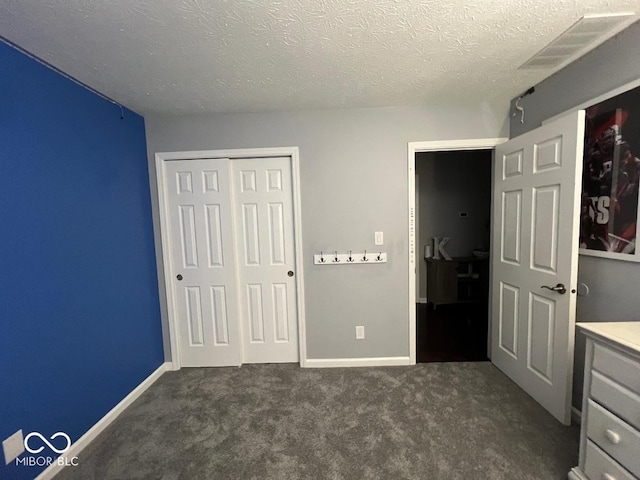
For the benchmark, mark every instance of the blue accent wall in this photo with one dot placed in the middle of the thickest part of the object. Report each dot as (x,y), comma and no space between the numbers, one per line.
(79,311)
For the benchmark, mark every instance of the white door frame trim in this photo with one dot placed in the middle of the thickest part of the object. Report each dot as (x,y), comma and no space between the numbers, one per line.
(291,152)
(413,148)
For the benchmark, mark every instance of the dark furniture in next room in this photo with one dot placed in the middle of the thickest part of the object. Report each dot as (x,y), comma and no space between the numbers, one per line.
(459,280)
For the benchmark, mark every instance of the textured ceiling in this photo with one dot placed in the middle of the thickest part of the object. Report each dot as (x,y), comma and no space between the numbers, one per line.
(195,56)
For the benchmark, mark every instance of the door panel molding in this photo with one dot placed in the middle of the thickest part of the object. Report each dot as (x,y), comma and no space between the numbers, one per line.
(211,183)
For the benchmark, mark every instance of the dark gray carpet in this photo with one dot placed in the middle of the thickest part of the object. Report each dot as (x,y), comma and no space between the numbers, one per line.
(431,421)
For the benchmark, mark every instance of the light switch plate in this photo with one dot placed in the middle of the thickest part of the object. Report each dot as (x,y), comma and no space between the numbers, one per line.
(13,447)
(379,238)
(360,332)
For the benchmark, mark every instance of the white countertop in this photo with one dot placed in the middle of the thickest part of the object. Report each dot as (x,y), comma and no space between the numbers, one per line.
(626,334)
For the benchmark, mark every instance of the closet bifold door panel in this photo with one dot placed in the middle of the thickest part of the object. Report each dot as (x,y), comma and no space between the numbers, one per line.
(262,192)
(203,271)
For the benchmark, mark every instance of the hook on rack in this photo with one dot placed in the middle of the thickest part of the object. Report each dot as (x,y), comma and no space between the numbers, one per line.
(379,257)
(364,258)
(350,259)
(322,260)
(335,258)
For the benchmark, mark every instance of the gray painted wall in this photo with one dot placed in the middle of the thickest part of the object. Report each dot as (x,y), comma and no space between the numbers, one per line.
(451,182)
(613,284)
(354,182)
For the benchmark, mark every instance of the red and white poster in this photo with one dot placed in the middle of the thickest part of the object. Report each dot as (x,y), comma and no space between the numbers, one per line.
(610,177)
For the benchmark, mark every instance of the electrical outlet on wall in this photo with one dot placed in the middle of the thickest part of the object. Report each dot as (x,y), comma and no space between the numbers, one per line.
(360,332)
(13,447)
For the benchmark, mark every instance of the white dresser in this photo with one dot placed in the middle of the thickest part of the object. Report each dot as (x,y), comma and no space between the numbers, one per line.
(610,432)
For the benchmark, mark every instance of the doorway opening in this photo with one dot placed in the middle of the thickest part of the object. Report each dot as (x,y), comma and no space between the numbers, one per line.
(534,230)
(416,250)
(453,200)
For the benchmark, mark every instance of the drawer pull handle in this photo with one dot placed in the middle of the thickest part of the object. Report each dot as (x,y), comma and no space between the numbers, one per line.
(606,476)
(612,436)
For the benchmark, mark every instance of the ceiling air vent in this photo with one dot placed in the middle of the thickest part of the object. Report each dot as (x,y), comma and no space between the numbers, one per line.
(584,35)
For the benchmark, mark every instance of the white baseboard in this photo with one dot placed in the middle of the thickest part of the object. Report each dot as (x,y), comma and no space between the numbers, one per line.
(356,362)
(104,422)
(576,416)
(422,300)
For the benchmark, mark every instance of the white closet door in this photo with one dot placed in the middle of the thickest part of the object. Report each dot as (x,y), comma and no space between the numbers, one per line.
(263,210)
(202,262)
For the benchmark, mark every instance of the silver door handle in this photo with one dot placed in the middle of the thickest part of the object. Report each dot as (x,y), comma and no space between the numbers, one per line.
(560,288)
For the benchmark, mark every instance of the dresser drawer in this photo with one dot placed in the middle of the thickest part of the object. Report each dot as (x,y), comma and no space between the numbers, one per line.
(615,437)
(600,466)
(621,368)
(616,398)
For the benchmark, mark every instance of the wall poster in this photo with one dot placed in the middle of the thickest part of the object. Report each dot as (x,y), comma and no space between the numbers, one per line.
(610,177)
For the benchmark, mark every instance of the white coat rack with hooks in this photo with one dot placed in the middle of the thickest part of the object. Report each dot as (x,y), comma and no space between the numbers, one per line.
(350,258)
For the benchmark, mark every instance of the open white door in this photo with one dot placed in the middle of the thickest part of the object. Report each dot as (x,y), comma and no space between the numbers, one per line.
(535,245)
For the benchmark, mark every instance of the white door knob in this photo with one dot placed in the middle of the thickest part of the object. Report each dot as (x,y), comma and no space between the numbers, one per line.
(612,436)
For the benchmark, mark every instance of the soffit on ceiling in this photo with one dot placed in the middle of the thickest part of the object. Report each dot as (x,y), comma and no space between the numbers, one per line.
(197,56)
